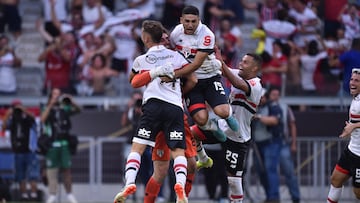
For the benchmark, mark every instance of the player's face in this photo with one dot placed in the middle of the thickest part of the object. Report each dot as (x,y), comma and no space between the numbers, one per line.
(355,83)
(274,95)
(246,66)
(190,23)
(165,40)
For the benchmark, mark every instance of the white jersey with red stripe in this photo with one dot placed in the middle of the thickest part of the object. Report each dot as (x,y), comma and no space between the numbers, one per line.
(154,57)
(354,117)
(244,107)
(188,45)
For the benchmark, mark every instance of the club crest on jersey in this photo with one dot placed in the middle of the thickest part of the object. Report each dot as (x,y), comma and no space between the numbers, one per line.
(186,51)
(160,152)
(207,40)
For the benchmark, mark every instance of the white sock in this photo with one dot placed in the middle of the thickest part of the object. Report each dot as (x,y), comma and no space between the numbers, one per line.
(201,154)
(236,189)
(334,194)
(180,169)
(132,167)
(230,112)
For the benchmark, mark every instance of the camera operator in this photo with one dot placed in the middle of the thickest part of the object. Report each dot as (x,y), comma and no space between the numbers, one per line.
(22,127)
(57,124)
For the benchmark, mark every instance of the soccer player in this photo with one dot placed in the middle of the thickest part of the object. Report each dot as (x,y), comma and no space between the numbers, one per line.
(349,162)
(245,96)
(161,153)
(162,109)
(196,42)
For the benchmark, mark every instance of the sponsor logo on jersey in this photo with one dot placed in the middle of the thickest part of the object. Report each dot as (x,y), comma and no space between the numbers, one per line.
(144,133)
(174,135)
(152,59)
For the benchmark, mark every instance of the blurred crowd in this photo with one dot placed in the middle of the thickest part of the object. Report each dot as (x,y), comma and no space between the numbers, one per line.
(308,46)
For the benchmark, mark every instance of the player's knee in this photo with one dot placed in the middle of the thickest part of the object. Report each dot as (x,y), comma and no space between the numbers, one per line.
(223,110)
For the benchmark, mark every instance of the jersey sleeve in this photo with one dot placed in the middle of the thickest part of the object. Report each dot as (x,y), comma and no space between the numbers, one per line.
(206,40)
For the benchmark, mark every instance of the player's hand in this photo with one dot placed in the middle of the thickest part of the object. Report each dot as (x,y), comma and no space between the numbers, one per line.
(164,70)
(349,127)
(211,66)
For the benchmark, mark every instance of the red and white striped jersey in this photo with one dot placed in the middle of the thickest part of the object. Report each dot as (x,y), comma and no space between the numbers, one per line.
(354,117)
(188,45)
(244,107)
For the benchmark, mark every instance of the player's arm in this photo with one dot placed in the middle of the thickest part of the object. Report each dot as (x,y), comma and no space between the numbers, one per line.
(349,127)
(191,67)
(139,79)
(235,80)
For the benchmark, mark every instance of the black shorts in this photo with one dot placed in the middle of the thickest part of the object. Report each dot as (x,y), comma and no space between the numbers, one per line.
(235,155)
(349,163)
(210,90)
(161,116)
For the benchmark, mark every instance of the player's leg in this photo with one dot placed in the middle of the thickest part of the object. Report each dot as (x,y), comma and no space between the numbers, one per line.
(339,176)
(161,159)
(215,96)
(235,153)
(180,170)
(131,170)
(190,154)
(198,109)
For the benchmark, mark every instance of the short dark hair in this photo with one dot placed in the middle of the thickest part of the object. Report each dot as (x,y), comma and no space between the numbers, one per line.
(154,28)
(257,59)
(190,10)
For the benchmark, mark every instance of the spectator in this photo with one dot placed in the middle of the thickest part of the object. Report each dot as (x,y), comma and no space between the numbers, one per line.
(57,124)
(309,61)
(288,146)
(8,63)
(230,33)
(59,59)
(267,10)
(293,75)
(274,66)
(23,132)
(332,10)
(306,22)
(349,17)
(96,75)
(344,44)
(348,60)
(95,13)
(238,10)
(213,12)
(10,17)
(146,7)
(126,35)
(269,144)
(172,13)
(60,14)
(280,28)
